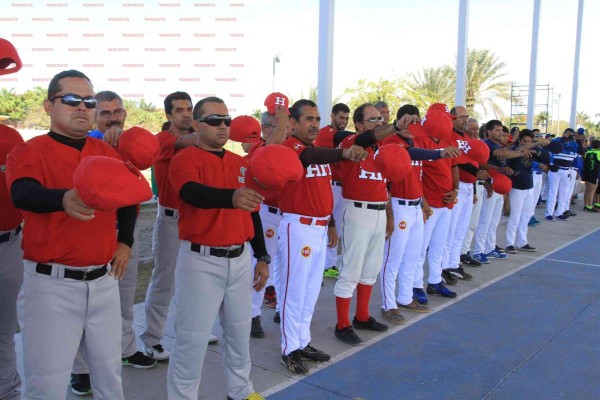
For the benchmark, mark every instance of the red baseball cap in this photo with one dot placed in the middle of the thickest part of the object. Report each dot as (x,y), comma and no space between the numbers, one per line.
(501,183)
(435,124)
(244,129)
(271,168)
(441,107)
(8,56)
(106,183)
(393,161)
(9,138)
(139,146)
(479,153)
(275,99)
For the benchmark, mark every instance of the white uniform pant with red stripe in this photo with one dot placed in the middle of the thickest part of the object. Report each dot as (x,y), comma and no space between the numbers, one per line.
(485,235)
(301,258)
(331,258)
(435,235)
(401,255)
(517,225)
(459,222)
(474,220)
(363,237)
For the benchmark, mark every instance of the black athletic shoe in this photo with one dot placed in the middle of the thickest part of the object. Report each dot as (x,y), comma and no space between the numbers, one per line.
(310,353)
(370,325)
(448,278)
(467,260)
(460,273)
(348,336)
(256,330)
(294,362)
(80,384)
(139,360)
(527,247)
(277,318)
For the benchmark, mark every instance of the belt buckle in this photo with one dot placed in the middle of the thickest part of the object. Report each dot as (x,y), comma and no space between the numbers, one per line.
(85,273)
(228,253)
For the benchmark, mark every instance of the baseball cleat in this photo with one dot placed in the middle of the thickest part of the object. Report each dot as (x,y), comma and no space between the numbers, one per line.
(310,353)
(511,249)
(414,306)
(420,296)
(213,339)
(348,336)
(158,352)
(251,396)
(440,289)
(256,330)
(499,249)
(332,273)
(370,325)
(139,360)
(563,217)
(481,258)
(448,278)
(527,247)
(294,362)
(497,255)
(277,317)
(394,316)
(549,218)
(80,384)
(460,273)
(466,259)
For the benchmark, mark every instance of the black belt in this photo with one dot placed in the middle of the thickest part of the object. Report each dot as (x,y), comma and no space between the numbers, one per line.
(273,210)
(564,167)
(5,237)
(409,202)
(377,207)
(74,274)
(336,183)
(169,212)
(225,253)
(480,183)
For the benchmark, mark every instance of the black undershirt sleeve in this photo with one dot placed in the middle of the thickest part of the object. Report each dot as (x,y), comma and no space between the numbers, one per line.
(258,241)
(29,195)
(339,137)
(320,155)
(469,168)
(202,196)
(419,154)
(126,217)
(366,139)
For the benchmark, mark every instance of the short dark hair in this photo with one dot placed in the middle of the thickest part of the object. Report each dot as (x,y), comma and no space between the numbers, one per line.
(408,109)
(107,95)
(595,144)
(175,96)
(526,132)
(491,124)
(380,104)
(535,130)
(505,129)
(54,85)
(514,129)
(359,113)
(340,107)
(453,110)
(198,111)
(296,109)
(165,126)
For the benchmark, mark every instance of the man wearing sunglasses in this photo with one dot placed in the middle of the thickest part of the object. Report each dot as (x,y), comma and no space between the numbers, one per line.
(70,250)
(165,236)
(218,219)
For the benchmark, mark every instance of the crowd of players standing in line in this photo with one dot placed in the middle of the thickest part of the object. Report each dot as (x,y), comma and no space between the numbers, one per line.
(384,227)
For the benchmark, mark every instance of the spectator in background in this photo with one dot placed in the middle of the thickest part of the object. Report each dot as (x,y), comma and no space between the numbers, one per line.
(591,170)
(384,111)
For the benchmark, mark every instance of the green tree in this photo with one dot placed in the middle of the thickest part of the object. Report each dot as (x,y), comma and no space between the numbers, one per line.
(485,84)
(365,91)
(146,115)
(428,86)
(257,113)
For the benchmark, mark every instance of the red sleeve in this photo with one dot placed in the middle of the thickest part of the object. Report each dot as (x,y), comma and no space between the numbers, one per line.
(182,169)
(23,163)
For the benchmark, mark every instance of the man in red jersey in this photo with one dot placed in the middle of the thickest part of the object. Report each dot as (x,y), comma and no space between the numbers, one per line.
(328,137)
(69,248)
(165,242)
(306,207)
(214,272)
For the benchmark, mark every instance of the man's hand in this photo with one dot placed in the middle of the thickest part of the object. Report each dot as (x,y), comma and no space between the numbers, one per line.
(488,189)
(355,153)
(450,197)
(526,152)
(482,175)
(112,134)
(543,167)
(75,207)
(474,198)
(389,227)
(507,171)
(261,274)
(246,199)
(332,237)
(450,152)
(406,120)
(119,261)
(281,114)
(542,141)
(427,211)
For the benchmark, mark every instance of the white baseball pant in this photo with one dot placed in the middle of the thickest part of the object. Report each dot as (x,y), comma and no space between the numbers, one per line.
(11,278)
(206,286)
(459,222)
(435,235)
(301,258)
(57,315)
(331,257)
(401,254)
(575,183)
(537,190)
(474,220)
(489,218)
(559,195)
(165,246)
(517,225)
(363,238)
(271,218)
(544,193)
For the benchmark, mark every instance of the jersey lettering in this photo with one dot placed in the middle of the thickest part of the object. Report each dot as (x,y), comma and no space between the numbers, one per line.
(279,101)
(464,146)
(374,176)
(318,170)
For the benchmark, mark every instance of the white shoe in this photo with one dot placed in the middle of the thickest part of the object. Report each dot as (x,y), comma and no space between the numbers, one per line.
(213,339)
(158,352)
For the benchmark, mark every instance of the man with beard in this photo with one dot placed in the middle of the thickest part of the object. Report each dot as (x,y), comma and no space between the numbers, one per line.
(165,237)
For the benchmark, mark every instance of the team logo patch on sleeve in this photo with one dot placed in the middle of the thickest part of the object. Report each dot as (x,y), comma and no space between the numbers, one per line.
(305,251)
(3,168)
(402,225)
(270,233)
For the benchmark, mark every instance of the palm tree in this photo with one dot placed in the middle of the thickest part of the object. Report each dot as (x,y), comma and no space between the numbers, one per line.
(484,81)
(430,85)
(581,118)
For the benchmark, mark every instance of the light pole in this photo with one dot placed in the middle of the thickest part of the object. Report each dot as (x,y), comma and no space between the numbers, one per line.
(558,115)
(275,60)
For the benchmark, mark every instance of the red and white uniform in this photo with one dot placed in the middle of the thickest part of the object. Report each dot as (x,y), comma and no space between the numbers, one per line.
(59,310)
(365,196)
(213,275)
(165,245)
(402,251)
(306,207)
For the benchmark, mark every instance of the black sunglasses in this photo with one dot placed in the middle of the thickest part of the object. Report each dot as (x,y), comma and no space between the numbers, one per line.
(216,119)
(74,100)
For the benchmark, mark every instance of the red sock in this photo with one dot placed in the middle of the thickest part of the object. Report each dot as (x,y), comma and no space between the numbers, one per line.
(363,295)
(343,310)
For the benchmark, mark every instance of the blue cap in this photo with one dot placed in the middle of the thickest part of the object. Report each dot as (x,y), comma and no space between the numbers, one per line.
(581,131)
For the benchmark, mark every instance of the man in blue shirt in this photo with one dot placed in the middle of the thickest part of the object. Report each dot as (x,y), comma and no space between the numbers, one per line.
(560,176)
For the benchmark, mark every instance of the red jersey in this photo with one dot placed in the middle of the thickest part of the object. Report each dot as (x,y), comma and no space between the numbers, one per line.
(271,201)
(312,195)
(10,217)
(360,180)
(411,187)
(462,142)
(56,237)
(325,139)
(167,197)
(211,226)
(437,175)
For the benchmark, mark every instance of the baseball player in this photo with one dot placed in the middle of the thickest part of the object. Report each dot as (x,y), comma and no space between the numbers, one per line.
(384,111)
(70,250)
(165,243)
(306,207)
(591,170)
(340,115)
(214,274)
(110,119)
(11,267)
